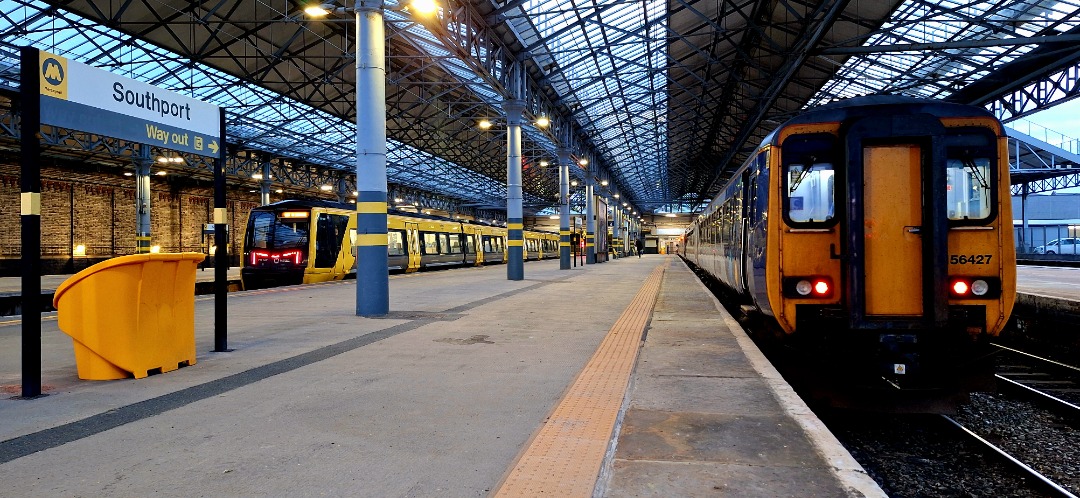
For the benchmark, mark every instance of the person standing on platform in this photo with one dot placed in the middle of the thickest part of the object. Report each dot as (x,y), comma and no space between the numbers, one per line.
(639,245)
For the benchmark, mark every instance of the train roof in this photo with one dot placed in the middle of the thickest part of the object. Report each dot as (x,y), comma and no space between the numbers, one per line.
(872,105)
(304,203)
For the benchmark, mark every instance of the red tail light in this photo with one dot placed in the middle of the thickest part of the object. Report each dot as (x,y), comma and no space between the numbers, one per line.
(821,288)
(817,286)
(974,287)
(294,256)
(960,288)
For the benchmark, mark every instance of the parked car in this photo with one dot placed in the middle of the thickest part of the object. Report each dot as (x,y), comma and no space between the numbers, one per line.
(1067,245)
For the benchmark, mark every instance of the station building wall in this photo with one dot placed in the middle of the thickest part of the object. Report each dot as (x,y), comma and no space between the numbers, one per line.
(97,210)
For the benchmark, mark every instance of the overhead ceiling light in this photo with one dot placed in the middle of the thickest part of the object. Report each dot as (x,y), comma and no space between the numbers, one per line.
(161,173)
(128,173)
(544,164)
(318,10)
(326,188)
(603,183)
(484,124)
(425,7)
(279,191)
(616,195)
(583,162)
(257,176)
(670,215)
(543,121)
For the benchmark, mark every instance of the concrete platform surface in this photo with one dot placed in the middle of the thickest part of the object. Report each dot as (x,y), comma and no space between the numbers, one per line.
(437,399)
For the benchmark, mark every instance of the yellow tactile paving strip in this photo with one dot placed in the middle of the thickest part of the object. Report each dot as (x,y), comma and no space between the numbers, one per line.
(564,458)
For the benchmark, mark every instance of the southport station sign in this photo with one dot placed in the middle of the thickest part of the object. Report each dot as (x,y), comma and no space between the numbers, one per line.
(81,97)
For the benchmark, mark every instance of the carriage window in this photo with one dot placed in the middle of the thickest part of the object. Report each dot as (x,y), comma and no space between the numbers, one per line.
(809,189)
(968,191)
(444,243)
(431,246)
(395,243)
(455,244)
(470,244)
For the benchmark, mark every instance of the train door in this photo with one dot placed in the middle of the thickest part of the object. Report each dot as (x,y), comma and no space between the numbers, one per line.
(897,231)
(413,232)
(892,212)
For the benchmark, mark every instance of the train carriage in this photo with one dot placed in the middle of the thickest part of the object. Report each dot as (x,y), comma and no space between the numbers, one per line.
(298,242)
(876,230)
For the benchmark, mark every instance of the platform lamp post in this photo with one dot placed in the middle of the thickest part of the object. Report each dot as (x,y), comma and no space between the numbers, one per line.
(372,275)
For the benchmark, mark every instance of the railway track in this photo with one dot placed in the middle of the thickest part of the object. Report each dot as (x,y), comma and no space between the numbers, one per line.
(1042,481)
(1049,383)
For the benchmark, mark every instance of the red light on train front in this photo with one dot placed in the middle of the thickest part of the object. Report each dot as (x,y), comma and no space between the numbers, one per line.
(807,287)
(821,287)
(960,288)
(974,287)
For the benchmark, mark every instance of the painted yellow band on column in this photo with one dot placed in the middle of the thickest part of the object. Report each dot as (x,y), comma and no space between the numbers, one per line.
(515,243)
(564,232)
(371,207)
(515,226)
(31,203)
(371,239)
(564,244)
(221,216)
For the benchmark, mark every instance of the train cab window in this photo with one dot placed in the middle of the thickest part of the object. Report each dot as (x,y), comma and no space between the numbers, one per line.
(971,175)
(395,245)
(968,190)
(430,243)
(810,192)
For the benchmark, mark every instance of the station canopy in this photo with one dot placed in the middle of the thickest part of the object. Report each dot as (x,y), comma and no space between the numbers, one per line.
(664,98)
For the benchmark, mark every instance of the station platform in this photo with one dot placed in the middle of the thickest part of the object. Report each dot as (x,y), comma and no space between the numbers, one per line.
(624,378)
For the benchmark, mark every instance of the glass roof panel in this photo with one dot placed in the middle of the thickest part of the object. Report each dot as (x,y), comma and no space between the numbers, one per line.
(937,73)
(606,59)
(258,117)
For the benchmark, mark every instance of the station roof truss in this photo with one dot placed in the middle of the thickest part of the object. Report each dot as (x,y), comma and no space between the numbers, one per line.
(666,98)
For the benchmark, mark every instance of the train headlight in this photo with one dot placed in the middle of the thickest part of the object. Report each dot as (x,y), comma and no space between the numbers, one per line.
(807,287)
(980,287)
(974,287)
(803,287)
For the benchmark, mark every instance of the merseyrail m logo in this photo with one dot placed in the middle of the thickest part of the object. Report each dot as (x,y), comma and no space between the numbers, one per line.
(54,76)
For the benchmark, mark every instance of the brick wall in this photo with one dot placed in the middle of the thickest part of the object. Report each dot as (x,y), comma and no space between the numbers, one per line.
(97,209)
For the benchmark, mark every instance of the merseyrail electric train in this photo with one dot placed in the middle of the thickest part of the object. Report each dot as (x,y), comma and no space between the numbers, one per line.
(299,242)
(876,232)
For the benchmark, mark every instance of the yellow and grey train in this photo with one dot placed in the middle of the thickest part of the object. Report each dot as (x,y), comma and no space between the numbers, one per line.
(876,232)
(307,241)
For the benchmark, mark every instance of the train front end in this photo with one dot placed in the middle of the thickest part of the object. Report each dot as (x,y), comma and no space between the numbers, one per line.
(891,244)
(276,246)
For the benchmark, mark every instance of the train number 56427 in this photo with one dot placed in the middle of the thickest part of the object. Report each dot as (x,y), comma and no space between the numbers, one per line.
(974,259)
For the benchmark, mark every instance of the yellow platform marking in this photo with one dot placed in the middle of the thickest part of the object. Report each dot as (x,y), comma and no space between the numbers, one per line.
(564,458)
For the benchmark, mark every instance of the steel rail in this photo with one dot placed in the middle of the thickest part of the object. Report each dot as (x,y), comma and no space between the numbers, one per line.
(1017,463)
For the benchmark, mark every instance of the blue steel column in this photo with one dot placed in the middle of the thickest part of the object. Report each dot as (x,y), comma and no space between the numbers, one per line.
(590,222)
(563,156)
(515,268)
(372,274)
(142,200)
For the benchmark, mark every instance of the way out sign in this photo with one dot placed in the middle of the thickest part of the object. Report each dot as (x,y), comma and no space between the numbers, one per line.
(81,97)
